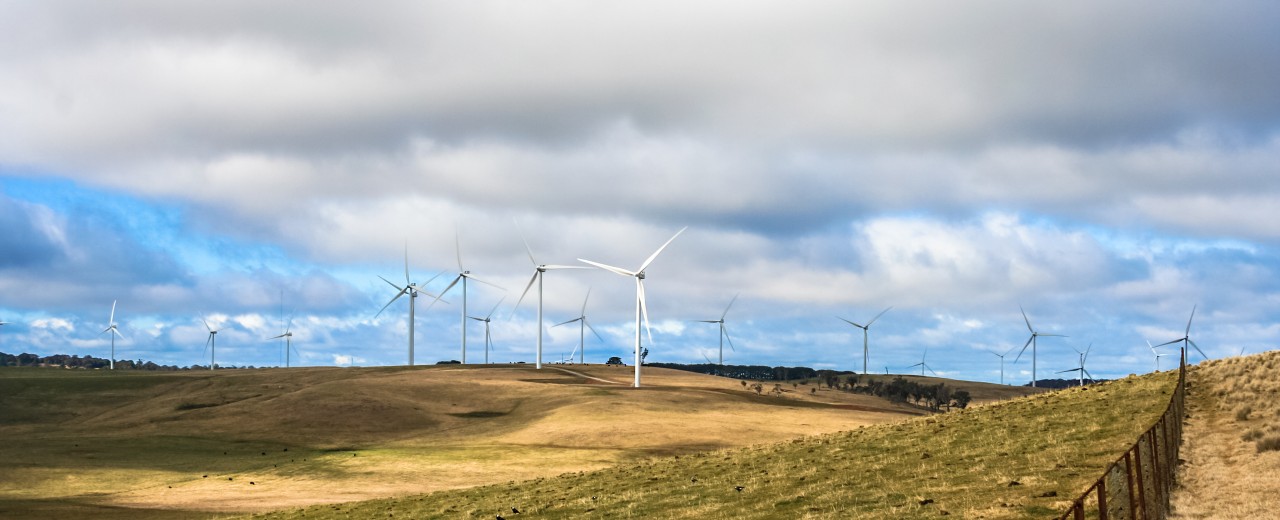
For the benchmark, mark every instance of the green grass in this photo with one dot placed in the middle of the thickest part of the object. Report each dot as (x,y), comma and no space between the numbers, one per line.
(1024,458)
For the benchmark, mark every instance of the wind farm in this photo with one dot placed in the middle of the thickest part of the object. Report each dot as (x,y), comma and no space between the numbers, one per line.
(283,185)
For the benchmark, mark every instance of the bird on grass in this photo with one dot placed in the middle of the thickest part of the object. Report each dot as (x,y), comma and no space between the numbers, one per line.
(738,488)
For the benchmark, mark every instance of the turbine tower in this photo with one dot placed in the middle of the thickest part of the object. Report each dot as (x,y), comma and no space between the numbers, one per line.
(582,332)
(488,342)
(642,312)
(1186,337)
(211,344)
(463,275)
(1083,356)
(539,270)
(111,327)
(724,332)
(864,335)
(410,289)
(1032,343)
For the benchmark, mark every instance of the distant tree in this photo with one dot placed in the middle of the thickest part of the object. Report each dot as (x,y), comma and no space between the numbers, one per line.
(615,360)
(777,390)
(813,390)
(744,383)
(758,388)
(644,353)
(961,398)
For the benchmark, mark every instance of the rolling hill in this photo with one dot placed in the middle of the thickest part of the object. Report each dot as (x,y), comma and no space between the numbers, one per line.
(184,444)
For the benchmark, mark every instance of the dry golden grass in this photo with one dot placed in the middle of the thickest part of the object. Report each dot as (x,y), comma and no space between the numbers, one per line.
(139,444)
(1234,408)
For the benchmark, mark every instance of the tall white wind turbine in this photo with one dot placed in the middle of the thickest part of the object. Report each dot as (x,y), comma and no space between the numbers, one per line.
(864,335)
(642,311)
(1186,337)
(111,327)
(211,344)
(724,332)
(539,270)
(1083,357)
(488,340)
(1157,354)
(583,325)
(412,290)
(463,276)
(1032,343)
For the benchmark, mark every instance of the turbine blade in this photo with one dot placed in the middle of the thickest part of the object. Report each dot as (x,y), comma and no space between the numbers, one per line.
(566,322)
(113,312)
(475,318)
(399,288)
(549,267)
(526,291)
(275,337)
(1090,376)
(526,245)
(406,262)
(609,268)
(930,369)
(1065,371)
(727,338)
(1193,316)
(495,308)
(592,329)
(873,320)
(1024,349)
(1024,318)
(1169,342)
(850,322)
(206,324)
(117,332)
(1197,348)
(727,307)
(584,304)
(644,308)
(384,307)
(486,282)
(457,243)
(655,253)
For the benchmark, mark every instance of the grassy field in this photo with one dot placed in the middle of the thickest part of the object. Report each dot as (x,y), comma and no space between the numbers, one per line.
(1025,458)
(196,444)
(1232,444)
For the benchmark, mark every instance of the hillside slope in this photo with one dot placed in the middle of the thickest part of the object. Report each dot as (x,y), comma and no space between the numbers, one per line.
(1025,458)
(1231,439)
(253,440)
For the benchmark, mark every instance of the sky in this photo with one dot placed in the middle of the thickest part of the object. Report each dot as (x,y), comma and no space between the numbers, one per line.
(1105,166)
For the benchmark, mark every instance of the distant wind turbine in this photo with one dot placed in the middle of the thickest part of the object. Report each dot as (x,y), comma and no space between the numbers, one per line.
(922,364)
(724,331)
(288,341)
(642,312)
(1157,354)
(1001,356)
(412,290)
(582,326)
(111,327)
(539,270)
(864,335)
(1083,356)
(1186,337)
(211,344)
(1032,343)
(488,341)
(463,276)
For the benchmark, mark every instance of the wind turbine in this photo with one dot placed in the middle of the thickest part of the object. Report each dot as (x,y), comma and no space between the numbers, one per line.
(1032,343)
(582,332)
(111,327)
(410,289)
(922,364)
(1001,356)
(288,340)
(539,270)
(642,312)
(1186,336)
(1158,355)
(864,335)
(211,344)
(724,332)
(463,275)
(1083,356)
(488,342)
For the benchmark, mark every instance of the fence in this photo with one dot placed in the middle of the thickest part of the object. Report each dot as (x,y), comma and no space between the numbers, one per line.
(1137,485)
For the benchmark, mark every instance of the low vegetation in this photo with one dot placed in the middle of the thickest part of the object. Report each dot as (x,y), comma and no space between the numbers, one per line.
(1025,458)
(1232,434)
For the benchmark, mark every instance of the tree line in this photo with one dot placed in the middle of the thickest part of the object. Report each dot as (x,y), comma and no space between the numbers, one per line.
(89,363)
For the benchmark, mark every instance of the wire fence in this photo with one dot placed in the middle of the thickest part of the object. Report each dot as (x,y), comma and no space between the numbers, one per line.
(1137,485)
